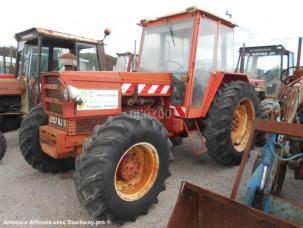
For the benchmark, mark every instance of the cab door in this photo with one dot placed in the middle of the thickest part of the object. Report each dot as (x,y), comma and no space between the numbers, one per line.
(214,53)
(30,71)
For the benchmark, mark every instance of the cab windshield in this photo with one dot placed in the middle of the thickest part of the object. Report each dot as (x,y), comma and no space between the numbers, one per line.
(29,59)
(263,67)
(166,48)
(87,57)
(268,68)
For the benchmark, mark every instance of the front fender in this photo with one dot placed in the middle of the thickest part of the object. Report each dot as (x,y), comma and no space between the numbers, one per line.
(215,81)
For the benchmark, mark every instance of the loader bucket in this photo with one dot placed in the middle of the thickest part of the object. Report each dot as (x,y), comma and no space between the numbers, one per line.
(197,207)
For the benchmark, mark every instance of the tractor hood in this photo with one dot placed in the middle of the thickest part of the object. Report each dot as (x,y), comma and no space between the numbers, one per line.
(100,92)
(88,79)
(147,84)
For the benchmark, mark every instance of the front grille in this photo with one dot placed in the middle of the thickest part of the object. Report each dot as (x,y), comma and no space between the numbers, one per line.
(53,94)
(84,126)
(53,80)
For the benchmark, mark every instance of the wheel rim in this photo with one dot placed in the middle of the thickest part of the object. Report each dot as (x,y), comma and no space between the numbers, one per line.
(242,124)
(136,171)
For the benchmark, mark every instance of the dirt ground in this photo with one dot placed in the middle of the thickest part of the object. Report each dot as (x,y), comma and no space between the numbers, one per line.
(29,196)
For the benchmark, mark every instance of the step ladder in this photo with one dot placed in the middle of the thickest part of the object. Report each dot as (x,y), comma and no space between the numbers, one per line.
(197,150)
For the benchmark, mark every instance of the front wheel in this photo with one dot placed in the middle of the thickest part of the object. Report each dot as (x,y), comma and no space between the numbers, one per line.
(229,122)
(123,167)
(29,142)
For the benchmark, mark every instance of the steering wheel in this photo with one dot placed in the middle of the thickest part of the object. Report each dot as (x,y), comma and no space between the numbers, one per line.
(173,61)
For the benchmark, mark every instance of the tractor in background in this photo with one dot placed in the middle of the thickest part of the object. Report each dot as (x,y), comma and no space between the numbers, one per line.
(6,71)
(41,50)
(264,65)
(118,124)
(126,62)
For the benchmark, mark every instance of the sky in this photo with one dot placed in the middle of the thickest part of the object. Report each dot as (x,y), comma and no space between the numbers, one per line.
(260,22)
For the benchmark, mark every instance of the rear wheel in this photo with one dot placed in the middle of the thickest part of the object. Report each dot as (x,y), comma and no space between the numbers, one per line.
(123,167)
(229,122)
(264,111)
(29,142)
(2,145)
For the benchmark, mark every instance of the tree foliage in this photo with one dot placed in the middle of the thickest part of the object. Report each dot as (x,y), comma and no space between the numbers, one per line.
(110,62)
(7,51)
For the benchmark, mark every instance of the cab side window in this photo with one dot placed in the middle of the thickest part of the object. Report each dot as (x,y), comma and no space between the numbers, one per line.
(30,58)
(88,58)
(205,59)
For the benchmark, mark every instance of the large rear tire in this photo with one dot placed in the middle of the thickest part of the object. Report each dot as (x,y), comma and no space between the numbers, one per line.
(229,122)
(2,145)
(123,167)
(29,143)
(264,111)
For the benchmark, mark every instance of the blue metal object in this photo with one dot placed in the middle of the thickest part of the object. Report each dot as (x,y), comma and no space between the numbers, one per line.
(261,183)
(248,193)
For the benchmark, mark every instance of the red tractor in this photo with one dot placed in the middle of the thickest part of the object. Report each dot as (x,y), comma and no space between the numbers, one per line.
(118,124)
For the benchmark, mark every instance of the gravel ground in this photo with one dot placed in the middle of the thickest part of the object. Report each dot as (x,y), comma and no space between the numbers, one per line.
(26,194)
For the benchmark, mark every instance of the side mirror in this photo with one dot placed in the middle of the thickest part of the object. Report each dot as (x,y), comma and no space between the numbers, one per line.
(106,33)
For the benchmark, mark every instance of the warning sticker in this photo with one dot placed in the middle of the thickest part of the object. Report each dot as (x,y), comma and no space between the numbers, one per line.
(98,99)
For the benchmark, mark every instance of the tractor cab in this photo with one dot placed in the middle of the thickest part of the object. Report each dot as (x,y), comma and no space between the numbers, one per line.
(45,47)
(264,65)
(41,50)
(192,45)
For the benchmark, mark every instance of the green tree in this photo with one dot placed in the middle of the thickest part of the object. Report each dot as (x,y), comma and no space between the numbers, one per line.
(110,62)
(8,51)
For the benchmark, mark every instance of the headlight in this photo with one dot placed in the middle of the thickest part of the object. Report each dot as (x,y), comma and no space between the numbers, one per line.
(71,93)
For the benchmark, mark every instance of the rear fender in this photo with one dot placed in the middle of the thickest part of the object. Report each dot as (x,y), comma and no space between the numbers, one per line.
(215,81)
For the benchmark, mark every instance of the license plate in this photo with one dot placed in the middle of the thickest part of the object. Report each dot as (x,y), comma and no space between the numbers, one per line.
(57,121)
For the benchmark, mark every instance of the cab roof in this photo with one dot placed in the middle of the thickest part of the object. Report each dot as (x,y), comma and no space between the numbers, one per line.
(33,33)
(265,50)
(192,9)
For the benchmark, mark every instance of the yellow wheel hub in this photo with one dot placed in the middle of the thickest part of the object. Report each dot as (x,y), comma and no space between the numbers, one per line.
(242,124)
(136,171)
